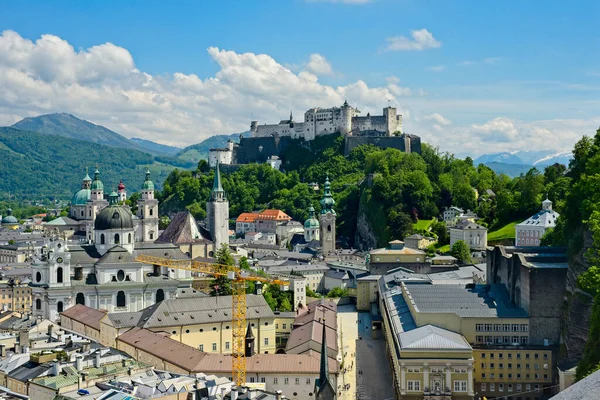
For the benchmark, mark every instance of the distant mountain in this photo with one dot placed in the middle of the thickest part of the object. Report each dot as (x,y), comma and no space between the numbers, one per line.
(35,165)
(155,148)
(538,158)
(197,152)
(511,170)
(69,126)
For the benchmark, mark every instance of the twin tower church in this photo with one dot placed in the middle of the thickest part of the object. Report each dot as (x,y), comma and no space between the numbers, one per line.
(100,270)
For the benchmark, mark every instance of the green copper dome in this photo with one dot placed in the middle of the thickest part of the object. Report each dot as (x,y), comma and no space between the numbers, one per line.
(327,202)
(311,222)
(113,217)
(148,184)
(9,218)
(81,197)
(97,183)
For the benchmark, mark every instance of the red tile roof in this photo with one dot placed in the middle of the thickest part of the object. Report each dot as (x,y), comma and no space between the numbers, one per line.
(85,315)
(276,215)
(247,217)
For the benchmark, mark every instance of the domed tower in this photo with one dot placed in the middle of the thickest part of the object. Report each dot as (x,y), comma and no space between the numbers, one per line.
(311,226)
(114,227)
(327,220)
(121,192)
(9,221)
(147,212)
(80,199)
(94,204)
(217,213)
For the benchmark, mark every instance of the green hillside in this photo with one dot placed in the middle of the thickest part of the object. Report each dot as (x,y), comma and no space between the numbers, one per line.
(35,165)
(197,152)
(69,126)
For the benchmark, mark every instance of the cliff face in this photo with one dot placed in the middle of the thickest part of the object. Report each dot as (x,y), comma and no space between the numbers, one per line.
(365,237)
(577,306)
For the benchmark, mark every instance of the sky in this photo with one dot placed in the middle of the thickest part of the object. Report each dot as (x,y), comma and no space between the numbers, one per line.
(470,77)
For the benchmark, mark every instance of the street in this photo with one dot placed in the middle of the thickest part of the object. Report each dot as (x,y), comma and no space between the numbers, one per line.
(366,355)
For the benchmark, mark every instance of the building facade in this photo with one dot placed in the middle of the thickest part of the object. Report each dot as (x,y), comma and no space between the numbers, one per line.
(531,231)
(474,235)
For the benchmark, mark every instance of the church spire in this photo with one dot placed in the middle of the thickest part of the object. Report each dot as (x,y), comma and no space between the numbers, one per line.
(217,192)
(323,387)
(327,202)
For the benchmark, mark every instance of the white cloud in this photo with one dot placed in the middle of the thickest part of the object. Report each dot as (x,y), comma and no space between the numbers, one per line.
(488,60)
(437,68)
(102,84)
(319,65)
(500,128)
(420,40)
(439,119)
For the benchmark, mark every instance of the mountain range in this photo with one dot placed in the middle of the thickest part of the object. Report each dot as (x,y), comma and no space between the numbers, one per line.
(536,158)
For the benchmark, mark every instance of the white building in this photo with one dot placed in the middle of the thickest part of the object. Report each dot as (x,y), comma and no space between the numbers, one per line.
(105,274)
(530,231)
(274,162)
(221,156)
(325,121)
(471,233)
(217,213)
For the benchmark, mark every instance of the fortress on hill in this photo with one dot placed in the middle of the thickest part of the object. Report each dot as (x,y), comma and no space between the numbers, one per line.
(268,141)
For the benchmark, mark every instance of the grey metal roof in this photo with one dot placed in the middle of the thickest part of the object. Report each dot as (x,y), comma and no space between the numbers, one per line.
(432,337)
(474,302)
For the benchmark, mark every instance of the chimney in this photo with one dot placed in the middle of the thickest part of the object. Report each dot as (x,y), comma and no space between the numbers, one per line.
(24,338)
(79,363)
(234,393)
(50,331)
(279,394)
(56,368)
(17,348)
(97,361)
(2,350)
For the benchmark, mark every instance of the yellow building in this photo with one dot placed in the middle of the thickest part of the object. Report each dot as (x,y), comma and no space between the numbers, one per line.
(366,291)
(15,296)
(396,255)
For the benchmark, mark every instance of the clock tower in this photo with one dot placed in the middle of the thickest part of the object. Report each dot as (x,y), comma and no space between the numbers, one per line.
(327,220)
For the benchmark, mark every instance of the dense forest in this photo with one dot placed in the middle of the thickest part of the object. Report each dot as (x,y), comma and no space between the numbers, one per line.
(391,188)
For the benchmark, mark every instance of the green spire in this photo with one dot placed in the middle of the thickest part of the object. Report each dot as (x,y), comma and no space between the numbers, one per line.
(217,192)
(148,184)
(324,366)
(87,176)
(327,202)
(113,198)
(97,183)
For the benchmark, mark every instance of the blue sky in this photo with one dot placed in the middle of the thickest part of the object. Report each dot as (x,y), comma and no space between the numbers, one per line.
(494,73)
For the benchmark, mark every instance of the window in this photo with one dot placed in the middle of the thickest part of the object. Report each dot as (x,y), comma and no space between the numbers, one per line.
(537,376)
(509,365)
(266,341)
(527,356)
(492,355)
(226,345)
(38,277)
(500,365)
(500,355)
(251,379)
(545,356)
(102,240)
(129,238)
(497,327)
(518,376)
(214,347)
(276,326)
(519,356)
(510,355)
(160,295)
(509,376)
(274,381)
(524,339)
(80,299)
(524,327)
(482,365)
(488,327)
(536,356)
(501,387)
(117,238)
(59,275)
(536,386)
(284,326)
(413,386)
(60,307)
(151,211)
(121,275)
(492,375)
(483,375)
(121,299)
(263,380)
(482,355)
(492,365)
(506,327)
(297,381)
(519,386)
(483,387)
(151,236)
(501,376)
(492,387)
(286,381)
(479,339)
(460,386)
(527,387)
(308,381)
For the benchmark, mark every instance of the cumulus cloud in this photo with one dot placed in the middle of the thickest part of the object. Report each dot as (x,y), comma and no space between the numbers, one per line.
(103,84)
(438,119)
(420,39)
(500,128)
(319,65)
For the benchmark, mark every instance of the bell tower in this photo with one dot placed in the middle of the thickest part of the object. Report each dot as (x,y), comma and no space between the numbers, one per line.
(217,212)
(327,220)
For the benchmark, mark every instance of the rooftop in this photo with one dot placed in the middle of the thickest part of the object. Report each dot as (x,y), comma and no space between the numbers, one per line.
(431,337)
(85,315)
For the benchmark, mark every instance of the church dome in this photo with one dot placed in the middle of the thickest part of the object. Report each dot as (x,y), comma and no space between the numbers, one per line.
(311,222)
(9,218)
(81,197)
(114,217)
(148,184)
(97,183)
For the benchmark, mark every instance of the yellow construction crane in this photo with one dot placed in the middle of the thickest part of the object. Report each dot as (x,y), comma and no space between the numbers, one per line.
(238,279)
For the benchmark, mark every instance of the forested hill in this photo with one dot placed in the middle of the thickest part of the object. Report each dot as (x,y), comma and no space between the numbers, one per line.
(386,190)
(36,165)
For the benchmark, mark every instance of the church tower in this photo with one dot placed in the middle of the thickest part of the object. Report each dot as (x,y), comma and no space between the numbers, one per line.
(327,220)
(324,389)
(121,192)
(311,226)
(95,204)
(217,213)
(147,212)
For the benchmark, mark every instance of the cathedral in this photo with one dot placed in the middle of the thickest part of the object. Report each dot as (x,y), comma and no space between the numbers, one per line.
(102,271)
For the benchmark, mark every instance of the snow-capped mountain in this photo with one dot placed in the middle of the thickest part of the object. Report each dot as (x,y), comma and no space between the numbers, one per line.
(539,158)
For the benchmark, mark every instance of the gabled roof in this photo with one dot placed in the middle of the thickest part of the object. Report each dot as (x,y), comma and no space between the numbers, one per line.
(544,218)
(62,221)
(182,229)
(467,225)
(247,217)
(431,337)
(117,255)
(85,315)
(271,215)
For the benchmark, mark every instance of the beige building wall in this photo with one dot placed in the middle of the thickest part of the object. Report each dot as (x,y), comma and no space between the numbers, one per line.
(366,293)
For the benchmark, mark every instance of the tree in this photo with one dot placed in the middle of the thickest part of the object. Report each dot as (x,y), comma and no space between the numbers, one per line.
(312,293)
(439,228)
(460,250)
(337,292)
(285,305)
(163,222)
(203,166)
(221,285)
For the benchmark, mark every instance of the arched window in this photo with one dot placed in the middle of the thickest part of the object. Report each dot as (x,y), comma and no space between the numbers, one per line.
(102,240)
(82,213)
(160,295)
(121,299)
(121,275)
(328,228)
(38,304)
(59,275)
(151,211)
(129,238)
(38,277)
(80,299)
(59,306)
(117,238)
